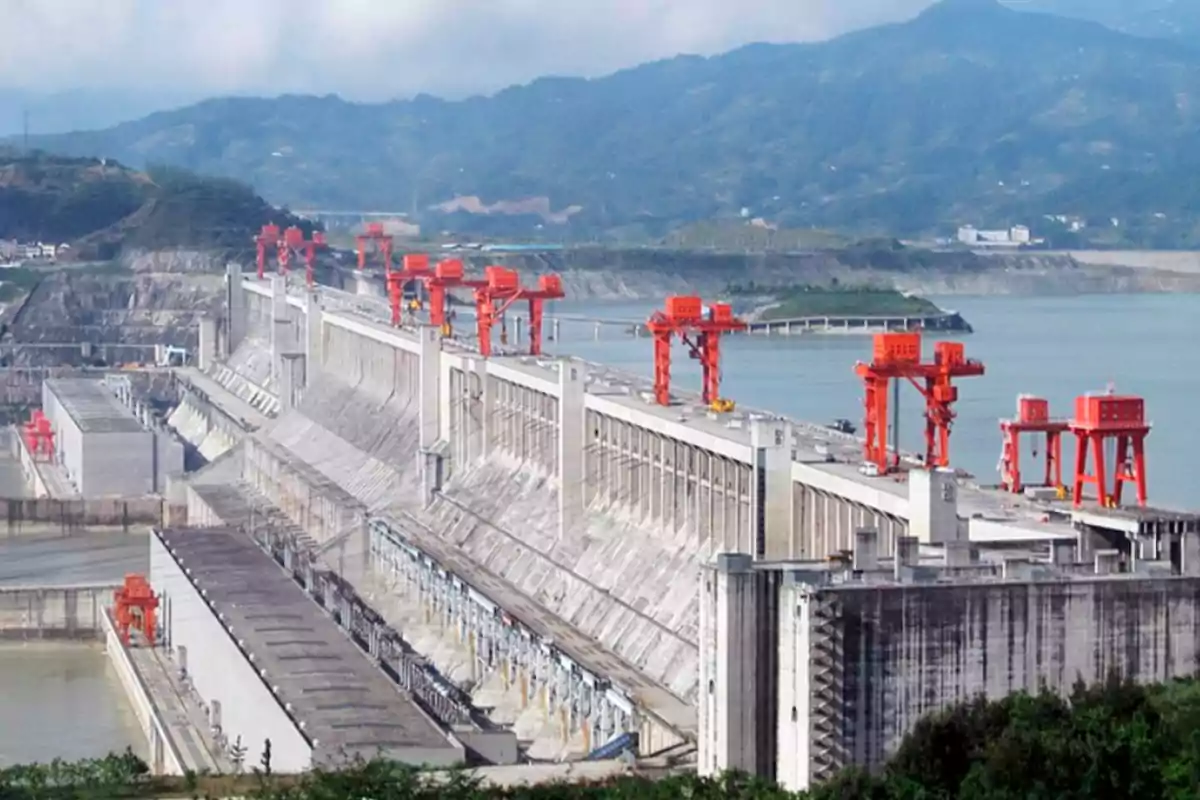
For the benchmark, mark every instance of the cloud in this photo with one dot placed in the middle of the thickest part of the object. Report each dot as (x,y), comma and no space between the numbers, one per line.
(376,49)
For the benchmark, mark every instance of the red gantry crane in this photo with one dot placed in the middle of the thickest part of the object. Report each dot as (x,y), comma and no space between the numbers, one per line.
(292,240)
(310,247)
(1098,420)
(447,275)
(414,267)
(1033,416)
(135,607)
(502,289)
(897,356)
(375,234)
(39,435)
(267,237)
(700,328)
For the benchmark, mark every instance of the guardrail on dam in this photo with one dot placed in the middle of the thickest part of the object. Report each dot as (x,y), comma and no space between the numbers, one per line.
(19,515)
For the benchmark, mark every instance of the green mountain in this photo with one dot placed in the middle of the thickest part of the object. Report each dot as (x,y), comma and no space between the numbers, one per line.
(101,207)
(1168,19)
(971,112)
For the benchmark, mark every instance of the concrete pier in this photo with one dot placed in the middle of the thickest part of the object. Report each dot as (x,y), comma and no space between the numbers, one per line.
(883,323)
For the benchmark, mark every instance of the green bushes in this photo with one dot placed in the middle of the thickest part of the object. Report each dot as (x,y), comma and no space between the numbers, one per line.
(1115,740)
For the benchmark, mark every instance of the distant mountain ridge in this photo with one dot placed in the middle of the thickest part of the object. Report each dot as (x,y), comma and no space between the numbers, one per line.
(969,113)
(1168,19)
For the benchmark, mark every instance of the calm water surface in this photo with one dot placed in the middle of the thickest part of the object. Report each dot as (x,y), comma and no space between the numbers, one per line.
(1056,347)
(61,701)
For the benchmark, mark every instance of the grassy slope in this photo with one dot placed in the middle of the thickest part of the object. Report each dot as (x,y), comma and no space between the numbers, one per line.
(817,301)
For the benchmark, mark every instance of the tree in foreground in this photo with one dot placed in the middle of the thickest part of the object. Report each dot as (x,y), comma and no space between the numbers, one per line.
(1115,740)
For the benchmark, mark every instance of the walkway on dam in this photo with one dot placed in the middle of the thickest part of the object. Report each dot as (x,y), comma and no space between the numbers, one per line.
(180,714)
(230,403)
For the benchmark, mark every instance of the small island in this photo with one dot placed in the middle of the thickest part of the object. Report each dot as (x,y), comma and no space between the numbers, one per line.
(837,308)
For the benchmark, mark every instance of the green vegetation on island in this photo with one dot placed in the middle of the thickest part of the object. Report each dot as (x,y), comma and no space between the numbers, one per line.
(959,116)
(100,207)
(793,302)
(1114,740)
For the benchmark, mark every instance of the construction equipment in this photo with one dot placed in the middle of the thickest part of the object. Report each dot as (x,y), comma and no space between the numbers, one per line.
(700,328)
(311,246)
(447,275)
(1100,418)
(374,234)
(293,239)
(267,237)
(135,607)
(897,356)
(501,289)
(1033,416)
(39,435)
(414,267)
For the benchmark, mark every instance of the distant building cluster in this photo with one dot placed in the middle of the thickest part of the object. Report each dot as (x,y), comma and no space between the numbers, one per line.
(13,252)
(1016,236)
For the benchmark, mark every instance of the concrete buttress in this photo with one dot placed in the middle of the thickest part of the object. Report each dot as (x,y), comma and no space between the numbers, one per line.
(933,506)
(207,346)
(771,501)
(572,382)
(729,708)
(430,366)
(280,325)
(236,303)
(485,409)
(314,335)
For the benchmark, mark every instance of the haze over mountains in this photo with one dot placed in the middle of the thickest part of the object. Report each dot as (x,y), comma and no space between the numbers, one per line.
(972,112)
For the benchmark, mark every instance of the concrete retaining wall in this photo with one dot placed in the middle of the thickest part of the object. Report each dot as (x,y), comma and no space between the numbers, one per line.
(164,756)
(73,515)
(59,612)
(33,476)
(904,651)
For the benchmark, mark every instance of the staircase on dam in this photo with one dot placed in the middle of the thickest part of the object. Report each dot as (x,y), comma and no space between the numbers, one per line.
(532,526)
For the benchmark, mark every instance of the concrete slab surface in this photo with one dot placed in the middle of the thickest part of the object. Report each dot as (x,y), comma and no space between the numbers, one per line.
(96,556)
(343,700)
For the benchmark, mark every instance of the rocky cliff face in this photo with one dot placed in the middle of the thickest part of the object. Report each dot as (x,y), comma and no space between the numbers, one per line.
(121,314)
(649,274)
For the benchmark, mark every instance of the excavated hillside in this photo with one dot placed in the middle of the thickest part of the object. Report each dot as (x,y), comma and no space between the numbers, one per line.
(120,310)
(599,273)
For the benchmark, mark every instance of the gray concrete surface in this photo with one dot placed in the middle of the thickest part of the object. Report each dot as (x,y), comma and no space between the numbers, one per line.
(344,702)
(91,557)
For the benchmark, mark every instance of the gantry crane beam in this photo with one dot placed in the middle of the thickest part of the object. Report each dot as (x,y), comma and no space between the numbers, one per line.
(374,233)
(414,267)
(268,236)
(294,243)
(700,329)
(501,291)
(897,356)
(1033,416)
(447,275)
(1099,419)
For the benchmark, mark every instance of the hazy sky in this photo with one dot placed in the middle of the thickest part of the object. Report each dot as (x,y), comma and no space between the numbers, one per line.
(375,49)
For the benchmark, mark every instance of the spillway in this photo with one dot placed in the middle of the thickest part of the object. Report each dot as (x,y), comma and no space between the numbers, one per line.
(538,523)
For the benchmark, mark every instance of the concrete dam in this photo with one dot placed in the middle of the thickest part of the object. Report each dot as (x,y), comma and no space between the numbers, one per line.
(539,530)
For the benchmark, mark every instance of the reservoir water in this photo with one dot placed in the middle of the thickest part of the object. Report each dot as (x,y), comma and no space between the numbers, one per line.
(62,701)
(1055,347)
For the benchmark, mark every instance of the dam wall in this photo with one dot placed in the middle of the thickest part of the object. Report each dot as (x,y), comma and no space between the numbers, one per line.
(552,481)
(53,612)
